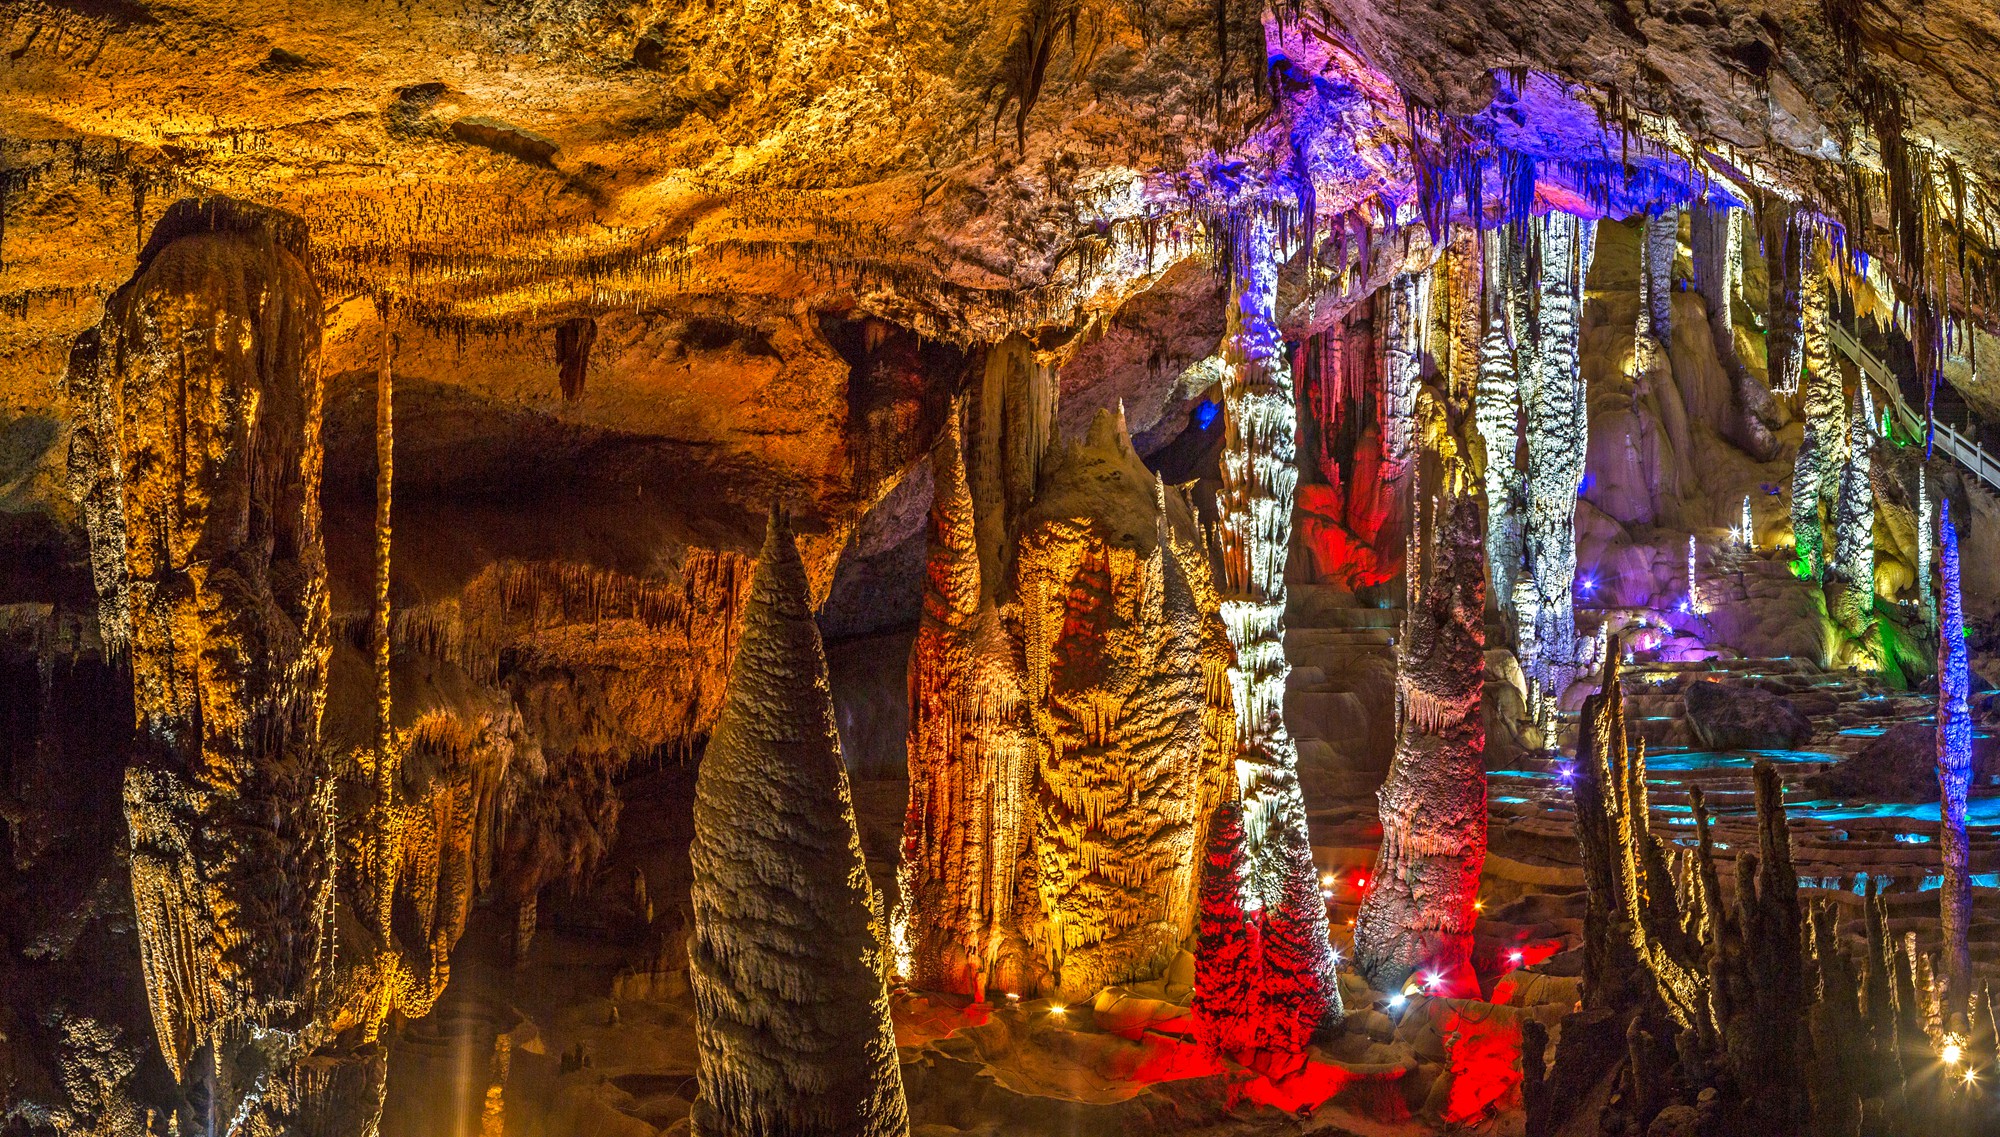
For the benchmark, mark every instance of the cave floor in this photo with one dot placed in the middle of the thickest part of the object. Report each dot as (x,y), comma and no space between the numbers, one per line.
(580,1039)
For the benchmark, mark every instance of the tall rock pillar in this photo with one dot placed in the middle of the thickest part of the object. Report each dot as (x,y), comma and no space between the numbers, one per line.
(1254,528)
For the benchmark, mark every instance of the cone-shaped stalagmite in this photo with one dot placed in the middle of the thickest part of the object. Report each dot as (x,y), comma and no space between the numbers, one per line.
(786,957)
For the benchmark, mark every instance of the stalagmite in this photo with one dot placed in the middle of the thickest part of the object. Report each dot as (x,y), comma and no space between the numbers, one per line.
(1823,451)
(1253,525)
(1497,411)
(1067,745)
(1433,806)
(970,760)
(1122,653)
(1556,434)
(786,957)
(1851,575)
(1954,763)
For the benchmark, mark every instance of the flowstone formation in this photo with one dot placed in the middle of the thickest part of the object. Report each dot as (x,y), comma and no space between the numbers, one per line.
(197,460)
(787,959)
(1419,914)
(1070,722)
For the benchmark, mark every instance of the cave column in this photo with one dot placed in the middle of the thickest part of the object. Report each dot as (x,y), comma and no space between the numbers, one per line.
(1954,762)
(1254,523)
(1851,576)
(1420,913)
(198,459)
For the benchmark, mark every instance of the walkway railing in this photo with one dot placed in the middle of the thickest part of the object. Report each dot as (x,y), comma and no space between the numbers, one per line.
(1954,443)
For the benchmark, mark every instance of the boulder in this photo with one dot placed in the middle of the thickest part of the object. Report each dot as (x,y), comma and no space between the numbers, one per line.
(1725,717)
(1901,765)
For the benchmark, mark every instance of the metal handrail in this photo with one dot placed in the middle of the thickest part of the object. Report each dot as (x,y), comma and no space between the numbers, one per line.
(1959,446)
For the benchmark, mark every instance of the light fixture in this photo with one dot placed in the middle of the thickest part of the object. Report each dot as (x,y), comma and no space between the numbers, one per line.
(1058,1010)
(1396,1000)
(1514,957)
(1952,1051)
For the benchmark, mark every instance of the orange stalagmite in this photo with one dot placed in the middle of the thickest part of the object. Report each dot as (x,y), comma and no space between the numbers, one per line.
(1069,721)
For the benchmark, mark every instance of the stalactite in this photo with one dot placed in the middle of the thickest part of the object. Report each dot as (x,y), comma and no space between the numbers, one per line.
(1557,437)
(1253,523)
(381,870)
(786,956)
(1823,451)
(1954,762)
(1786,265)
(1694,602)
(1851,575)
(1662,244)
(1407,301)
(1497,410)
(1433,806)
(574,338)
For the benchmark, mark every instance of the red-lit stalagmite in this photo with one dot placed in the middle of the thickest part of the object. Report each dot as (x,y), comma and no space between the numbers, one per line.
(786,957)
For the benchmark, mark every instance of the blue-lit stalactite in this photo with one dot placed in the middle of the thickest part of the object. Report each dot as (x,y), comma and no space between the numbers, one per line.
(1954,762)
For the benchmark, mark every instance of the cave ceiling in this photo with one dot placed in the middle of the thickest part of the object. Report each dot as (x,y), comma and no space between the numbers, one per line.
(724,185)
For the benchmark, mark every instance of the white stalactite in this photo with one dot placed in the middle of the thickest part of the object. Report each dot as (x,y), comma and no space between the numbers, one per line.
(1557,444)
(1402,363)
(1497,411)
(1663,239)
